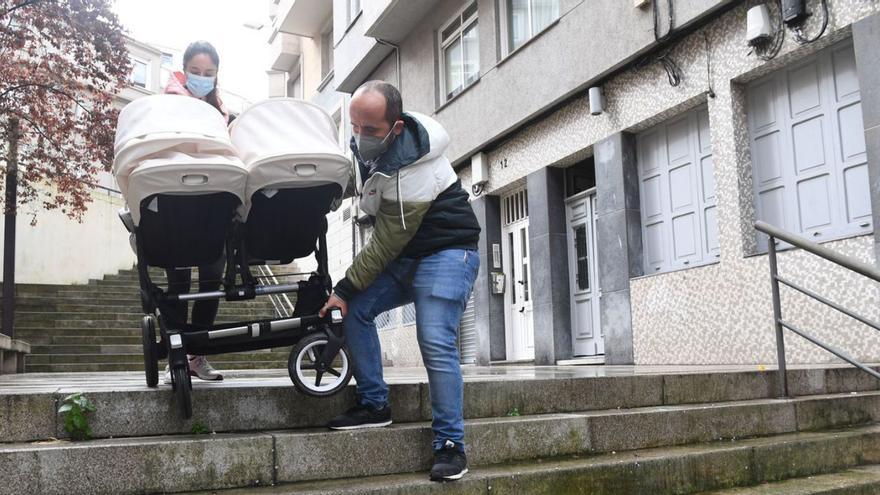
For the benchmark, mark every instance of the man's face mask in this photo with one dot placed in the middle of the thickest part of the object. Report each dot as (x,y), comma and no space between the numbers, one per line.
(199,86)
(371,147)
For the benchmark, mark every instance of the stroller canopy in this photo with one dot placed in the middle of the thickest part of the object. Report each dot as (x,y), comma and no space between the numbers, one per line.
(170,144)
(288,143)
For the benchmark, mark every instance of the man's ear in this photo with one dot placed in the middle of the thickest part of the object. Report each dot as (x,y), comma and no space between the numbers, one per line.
(397,128)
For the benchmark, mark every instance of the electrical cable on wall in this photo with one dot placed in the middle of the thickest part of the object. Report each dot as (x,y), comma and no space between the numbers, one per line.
(477,189)
(799,30)
(657,36)
(711,91)
(673,71)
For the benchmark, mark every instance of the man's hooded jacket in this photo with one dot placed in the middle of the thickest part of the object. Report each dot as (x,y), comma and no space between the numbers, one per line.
(417,200)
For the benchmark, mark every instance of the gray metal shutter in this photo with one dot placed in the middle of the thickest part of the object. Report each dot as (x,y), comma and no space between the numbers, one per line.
(467,334)
(677,188)
(808,147)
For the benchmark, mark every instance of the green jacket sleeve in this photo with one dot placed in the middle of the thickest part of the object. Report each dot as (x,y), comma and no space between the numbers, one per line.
(396,224)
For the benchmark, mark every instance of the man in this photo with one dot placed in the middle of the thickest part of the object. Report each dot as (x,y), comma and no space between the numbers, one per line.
(423,250)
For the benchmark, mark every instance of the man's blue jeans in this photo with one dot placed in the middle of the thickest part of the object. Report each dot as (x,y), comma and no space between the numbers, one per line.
(439,285)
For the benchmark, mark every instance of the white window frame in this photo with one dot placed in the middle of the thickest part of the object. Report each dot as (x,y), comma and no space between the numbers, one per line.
(350,14)
(465,24)
(505,23)
(327,63)
(135,60)
(299,75)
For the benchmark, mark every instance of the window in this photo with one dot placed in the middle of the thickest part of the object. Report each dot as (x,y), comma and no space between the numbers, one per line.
(326,53)
(807,144)
(460,52)
(526,18)
(354,8)
(294,84)
(582,277)
(139,73)
(677,192)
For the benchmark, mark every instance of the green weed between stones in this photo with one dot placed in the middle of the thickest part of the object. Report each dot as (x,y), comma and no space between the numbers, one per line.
(75,407)
(514,411)
(199,428)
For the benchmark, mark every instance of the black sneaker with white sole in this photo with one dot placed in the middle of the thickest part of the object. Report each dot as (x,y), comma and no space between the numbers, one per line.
(450,463)
(361,417)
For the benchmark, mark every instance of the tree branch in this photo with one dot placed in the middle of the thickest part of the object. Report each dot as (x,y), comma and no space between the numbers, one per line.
(21,5)
(50,88)
(42,133)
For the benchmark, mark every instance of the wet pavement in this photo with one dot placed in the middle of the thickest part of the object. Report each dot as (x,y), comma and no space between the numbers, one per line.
(134,380)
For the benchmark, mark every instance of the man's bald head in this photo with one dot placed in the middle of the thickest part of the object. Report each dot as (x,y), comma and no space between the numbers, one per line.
(375,109)
(390,94)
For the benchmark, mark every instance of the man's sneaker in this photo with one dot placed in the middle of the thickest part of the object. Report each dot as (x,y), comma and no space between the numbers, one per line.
(361,417)
(199,367)
(450,463)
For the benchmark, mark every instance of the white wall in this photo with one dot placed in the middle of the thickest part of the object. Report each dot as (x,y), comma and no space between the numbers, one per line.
(58,250)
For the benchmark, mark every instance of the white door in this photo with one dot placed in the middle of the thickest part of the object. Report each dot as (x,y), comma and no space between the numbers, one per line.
(587,338)
(518,298)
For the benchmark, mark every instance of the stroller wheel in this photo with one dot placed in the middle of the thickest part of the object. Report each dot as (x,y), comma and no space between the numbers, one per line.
(304,368)
(182,385)
(151,360)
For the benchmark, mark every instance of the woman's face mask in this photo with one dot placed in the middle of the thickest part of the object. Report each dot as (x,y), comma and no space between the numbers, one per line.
(200,86)
(371,147)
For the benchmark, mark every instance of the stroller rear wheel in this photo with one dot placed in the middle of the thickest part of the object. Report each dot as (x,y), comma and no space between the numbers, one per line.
(308,374)
(182,385)
(151,359)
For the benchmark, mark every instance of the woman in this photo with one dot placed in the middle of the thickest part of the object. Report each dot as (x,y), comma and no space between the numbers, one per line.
(199,80)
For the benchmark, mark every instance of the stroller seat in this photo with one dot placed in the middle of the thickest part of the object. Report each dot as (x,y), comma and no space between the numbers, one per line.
(181,178)
(297,173)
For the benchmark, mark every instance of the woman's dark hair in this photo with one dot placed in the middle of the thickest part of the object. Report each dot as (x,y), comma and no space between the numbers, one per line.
(198,48)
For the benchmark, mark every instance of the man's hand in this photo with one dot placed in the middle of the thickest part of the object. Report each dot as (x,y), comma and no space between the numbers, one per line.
(334,302)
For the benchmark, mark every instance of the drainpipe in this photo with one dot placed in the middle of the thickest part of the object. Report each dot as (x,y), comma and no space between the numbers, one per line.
(397,55)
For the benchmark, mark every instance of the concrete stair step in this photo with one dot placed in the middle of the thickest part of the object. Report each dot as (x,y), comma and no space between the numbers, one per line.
(136,357)
(51,315)
(139,366)
(218,461)
(104,348)
(678,470)
(28,333)
(71,304)
(247,402)
(46,340)
(863,480)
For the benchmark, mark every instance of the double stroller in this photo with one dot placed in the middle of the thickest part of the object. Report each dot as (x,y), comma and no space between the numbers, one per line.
(256,193)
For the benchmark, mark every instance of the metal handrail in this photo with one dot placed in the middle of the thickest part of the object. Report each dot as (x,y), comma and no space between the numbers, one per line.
(859,267)
(281,303)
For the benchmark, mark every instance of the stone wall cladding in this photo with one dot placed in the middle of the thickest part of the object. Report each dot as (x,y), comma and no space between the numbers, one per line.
(719,313)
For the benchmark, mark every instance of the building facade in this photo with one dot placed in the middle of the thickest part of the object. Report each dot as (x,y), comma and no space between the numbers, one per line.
(620,228)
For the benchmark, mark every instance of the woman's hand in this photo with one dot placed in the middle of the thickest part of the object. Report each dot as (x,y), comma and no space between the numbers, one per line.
(334,302)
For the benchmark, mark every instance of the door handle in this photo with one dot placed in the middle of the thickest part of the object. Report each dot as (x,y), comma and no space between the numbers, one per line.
(520,282)
(522,309)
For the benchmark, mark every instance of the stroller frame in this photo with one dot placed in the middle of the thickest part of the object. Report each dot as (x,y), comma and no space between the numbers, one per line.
(318,342)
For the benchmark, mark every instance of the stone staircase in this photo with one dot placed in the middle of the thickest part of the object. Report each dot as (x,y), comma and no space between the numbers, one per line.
(530,430)
(96,327)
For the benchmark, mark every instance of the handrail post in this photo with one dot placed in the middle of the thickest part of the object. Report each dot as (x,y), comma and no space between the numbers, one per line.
(782,379)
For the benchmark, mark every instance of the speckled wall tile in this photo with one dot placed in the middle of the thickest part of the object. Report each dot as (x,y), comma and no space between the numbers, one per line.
(719,313)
